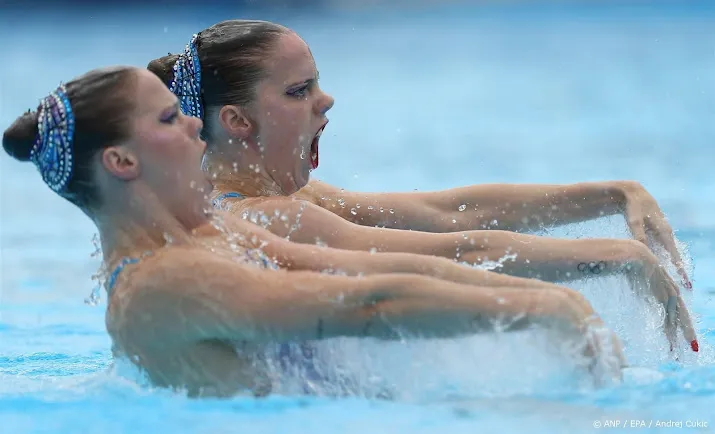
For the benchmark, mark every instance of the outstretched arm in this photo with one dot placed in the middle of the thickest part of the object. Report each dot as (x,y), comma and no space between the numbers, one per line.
(509,207)
(544,258)
(512,207)
(187,295)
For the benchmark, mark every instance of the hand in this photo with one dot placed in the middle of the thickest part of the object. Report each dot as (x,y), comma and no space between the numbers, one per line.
(645,217)
(645,269)
(602,350)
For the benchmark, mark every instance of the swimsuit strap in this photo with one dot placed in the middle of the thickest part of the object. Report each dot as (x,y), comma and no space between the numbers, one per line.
(127,260)
(220,198)
(118,269)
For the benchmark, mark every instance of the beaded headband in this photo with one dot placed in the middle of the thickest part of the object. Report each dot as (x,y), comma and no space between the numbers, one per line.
(186,83)
(52,150)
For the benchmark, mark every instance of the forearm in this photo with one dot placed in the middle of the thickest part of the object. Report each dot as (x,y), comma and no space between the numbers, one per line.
(516,207)
(552,259)
(303,257)
(386,306)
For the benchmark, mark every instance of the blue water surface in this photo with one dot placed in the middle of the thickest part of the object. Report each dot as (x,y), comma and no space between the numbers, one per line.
(427,98)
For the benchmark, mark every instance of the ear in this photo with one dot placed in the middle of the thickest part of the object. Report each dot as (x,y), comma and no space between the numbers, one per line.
(235,121)
(121,162)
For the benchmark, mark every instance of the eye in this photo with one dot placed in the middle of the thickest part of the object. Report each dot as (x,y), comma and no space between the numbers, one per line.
(300,92)
(170,118)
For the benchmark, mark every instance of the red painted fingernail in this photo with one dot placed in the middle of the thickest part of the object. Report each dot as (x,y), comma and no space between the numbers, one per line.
(694,345)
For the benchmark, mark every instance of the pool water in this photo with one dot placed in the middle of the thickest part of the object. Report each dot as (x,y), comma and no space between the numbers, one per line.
(427,98)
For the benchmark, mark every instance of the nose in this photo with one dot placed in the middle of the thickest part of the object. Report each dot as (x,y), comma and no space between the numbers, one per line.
(326,103)
(195,126)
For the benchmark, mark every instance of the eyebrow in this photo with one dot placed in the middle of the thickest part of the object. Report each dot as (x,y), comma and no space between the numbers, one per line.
(308,81)
(165,110)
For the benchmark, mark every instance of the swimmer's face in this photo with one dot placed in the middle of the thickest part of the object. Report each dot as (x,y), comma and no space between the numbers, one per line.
(166,147)
(289,113)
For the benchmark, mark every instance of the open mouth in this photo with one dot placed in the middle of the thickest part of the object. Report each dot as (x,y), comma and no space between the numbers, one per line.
(314,147)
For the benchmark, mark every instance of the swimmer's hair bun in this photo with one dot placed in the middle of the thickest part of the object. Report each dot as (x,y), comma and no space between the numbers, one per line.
(19,138)
(163,67)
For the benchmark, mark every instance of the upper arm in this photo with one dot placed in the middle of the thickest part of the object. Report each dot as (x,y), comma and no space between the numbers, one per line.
(185,297)
(311,224)
(415,210)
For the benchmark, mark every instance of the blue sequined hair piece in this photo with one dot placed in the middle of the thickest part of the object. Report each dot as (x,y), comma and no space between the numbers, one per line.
(186,83)
(52,151)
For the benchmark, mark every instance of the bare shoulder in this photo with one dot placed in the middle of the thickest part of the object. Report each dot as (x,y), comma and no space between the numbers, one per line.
(281,214)
(269,205)
(316,192)
(163,268)
(168,291)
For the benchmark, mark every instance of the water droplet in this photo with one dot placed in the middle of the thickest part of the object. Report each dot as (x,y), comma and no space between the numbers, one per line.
(94,296)
(357,205)
(353,211)
(462,207)
(382,209)
(373,250)
(192,184)
(97,246)
(370,207)
(341,202)
(454,220)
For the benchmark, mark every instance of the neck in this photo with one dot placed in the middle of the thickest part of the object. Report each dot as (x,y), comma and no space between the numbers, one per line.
(134,226)
(246,174)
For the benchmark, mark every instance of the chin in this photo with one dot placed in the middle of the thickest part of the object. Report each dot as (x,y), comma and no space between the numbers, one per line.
(303,179)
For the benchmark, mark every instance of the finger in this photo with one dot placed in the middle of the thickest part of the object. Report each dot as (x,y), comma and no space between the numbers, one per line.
(686,324)
(663,234)
(670,324)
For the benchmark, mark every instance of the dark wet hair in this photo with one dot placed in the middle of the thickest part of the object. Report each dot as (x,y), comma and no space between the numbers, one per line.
(232,55)
(100,102)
